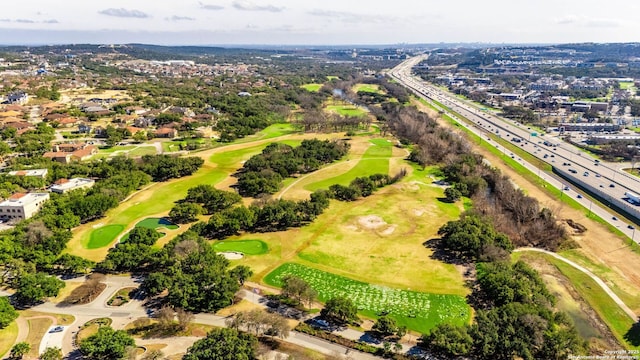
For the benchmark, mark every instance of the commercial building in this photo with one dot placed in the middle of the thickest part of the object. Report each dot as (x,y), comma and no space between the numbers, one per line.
(22,206)
(65,185)
(41,173)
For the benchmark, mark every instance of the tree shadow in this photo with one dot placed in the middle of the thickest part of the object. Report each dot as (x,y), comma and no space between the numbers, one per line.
(441,254)
(633,335)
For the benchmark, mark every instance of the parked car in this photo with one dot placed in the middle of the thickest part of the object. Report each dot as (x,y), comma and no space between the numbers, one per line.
(56,329)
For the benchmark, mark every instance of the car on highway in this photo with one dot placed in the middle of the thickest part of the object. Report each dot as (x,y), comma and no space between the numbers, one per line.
(630,227)
(566,188)
(597,175)
(614,218)
(579,196)
(612,185)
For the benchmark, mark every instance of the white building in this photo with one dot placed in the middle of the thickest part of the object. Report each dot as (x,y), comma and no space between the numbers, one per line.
(63,185)
(41,173)
(22,206)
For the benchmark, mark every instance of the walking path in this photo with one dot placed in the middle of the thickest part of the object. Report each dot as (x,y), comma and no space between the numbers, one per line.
(599,281)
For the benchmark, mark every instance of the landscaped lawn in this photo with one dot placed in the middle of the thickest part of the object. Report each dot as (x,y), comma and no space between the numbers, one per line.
(104,235)
(8,336)
(154,223)
(418,311)
(346,110)
(375,160)
(171,146)
(247,247)
(113,149)
(370,88)
(143,150)
(312,87)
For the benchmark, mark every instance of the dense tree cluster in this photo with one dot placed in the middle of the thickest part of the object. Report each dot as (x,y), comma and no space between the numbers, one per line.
(472,238)
(263,173)
(516,320)
(7,312)
(106,344)
(340,310)
(363,186)
(164,167)
(136,253)
(196,278)
(260,323)
(224,344)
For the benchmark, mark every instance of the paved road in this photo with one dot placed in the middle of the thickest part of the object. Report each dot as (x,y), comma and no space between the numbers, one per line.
(599,281)
(125,314)
(483,124)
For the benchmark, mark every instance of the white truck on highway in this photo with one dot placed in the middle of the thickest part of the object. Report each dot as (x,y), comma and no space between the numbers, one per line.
(632,198)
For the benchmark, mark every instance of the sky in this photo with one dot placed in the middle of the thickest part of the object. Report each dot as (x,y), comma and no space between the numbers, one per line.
(314,22)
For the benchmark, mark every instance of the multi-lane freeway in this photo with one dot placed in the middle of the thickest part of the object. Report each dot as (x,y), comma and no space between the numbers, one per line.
(606,178)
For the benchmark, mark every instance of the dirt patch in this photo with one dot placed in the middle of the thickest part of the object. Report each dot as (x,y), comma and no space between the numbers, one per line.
(418,212)
(371,222)
(232,255)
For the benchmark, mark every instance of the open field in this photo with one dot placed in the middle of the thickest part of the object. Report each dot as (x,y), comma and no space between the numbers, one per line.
(626,85)
(418,311)
(312,87)
(247,247)
(8,337)
(374,160)
(370,88)
(104,235)
(346,110)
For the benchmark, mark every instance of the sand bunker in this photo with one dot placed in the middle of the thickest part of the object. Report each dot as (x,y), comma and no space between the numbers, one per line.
(232,255)
(375,222)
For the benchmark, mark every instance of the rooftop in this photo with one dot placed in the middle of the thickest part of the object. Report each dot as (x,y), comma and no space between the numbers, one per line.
(22,199)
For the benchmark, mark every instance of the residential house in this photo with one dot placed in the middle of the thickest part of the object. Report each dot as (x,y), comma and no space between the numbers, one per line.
(18,97)
(166,132)
(65,153)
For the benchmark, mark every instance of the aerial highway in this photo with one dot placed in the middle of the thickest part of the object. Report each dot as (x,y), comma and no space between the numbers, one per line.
(607,179)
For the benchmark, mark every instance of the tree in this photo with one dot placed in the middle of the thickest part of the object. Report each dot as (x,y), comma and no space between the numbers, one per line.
(184,318)
(385,326)
(452,194)
(19,350)
(223,344)
(340,310)
(106,344)
(7,312)
(51,353)
(153,355)
(297,289)
(449,340)
(185,212)
(241,272)
(32,288)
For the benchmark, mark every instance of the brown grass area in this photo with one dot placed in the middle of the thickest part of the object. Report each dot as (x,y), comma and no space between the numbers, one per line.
(37,329)
(61,319)
(243,305)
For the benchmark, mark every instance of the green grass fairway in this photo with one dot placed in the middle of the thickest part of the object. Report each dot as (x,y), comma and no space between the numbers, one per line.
(312,87)
(103,236)
(418,311)
(375,160)
(370,88)
(247,247)
(346,110)
(154,223)
(143,150)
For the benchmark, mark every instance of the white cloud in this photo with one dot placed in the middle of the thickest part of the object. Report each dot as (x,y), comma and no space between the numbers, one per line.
(179,18)
(125,13)
(587,21)
(249,6)
(210,6)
